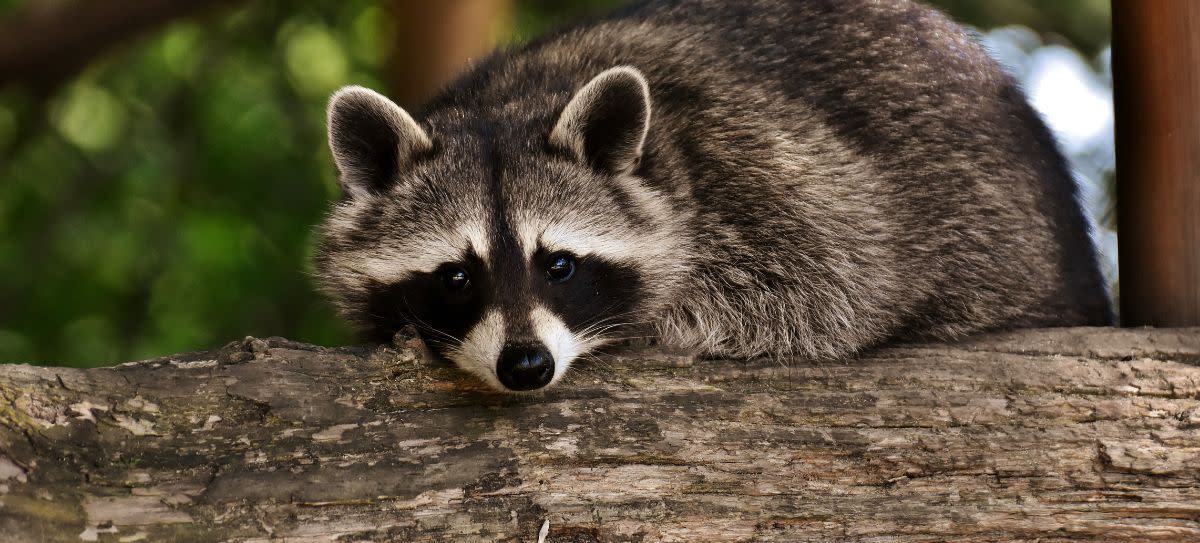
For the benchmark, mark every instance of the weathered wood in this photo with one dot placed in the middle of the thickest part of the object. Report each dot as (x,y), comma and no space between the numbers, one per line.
(1047,435)
(1156,80)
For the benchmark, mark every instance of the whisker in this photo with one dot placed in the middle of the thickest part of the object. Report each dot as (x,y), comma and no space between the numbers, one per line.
(441,337)
(453,340)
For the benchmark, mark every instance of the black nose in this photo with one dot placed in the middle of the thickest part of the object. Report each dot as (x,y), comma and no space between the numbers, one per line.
(525,367)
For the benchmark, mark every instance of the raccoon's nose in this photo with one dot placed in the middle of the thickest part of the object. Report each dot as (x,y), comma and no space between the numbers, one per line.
(525,367)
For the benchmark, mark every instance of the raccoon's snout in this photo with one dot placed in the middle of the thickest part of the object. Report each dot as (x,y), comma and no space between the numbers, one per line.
(525,367)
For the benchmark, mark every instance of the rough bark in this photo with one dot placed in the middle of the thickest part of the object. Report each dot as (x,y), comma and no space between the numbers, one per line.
(1046,435)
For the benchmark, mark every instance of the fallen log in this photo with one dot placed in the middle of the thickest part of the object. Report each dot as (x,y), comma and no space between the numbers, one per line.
(1046,435)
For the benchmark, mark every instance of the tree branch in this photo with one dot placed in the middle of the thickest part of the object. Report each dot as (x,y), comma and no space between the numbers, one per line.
(1048,435)
(47,42)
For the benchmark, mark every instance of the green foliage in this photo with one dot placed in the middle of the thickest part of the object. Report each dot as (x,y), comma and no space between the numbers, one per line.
(163,200)
(1084,24)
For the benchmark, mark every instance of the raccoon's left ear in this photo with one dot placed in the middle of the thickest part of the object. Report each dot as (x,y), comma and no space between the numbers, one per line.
(606,122)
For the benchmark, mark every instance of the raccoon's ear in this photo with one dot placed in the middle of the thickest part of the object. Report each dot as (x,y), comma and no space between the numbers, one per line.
(605,123)
(372,139)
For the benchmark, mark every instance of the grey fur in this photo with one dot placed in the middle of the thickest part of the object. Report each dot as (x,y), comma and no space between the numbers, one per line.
(818,177)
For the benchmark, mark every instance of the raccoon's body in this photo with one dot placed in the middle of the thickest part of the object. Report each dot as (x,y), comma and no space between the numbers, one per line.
(737,178)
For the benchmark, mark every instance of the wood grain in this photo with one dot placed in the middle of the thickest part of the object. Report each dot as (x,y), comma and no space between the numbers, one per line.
(1041,435)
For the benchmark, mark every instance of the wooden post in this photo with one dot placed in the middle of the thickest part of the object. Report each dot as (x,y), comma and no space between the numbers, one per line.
(436,40)
(1156,70)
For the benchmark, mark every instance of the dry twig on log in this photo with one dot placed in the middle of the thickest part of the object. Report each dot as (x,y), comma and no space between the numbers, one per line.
(1047,435)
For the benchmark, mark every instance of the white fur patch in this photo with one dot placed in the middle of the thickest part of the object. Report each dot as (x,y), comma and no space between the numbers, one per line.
(559,340)
(560,237)
(606,235)
(422,254)
(476,236)
(479,351)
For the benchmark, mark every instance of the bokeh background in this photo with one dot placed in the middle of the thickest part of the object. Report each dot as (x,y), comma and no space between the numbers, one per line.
(159,180)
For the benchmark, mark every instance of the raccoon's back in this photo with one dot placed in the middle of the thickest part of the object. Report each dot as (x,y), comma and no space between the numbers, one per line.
(860,165)
(977,196)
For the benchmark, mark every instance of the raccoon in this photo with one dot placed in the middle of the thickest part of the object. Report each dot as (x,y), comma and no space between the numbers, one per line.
(735,178)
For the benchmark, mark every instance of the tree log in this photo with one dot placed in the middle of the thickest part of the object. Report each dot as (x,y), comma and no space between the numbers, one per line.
(1039,435)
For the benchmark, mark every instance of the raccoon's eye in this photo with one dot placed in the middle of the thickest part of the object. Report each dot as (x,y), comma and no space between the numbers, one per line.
(561,268)
(455,278)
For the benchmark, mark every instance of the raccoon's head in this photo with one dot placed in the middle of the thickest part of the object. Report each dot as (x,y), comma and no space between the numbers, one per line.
(515,242)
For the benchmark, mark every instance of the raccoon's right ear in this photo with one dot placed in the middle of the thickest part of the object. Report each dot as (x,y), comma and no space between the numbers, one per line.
(606,122)
(372,139)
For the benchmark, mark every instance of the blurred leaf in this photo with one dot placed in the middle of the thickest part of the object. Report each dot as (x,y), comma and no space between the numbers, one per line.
(315,60)
(370,33)
(90,341)
(15,347)
(180,46)
(90,117)
(8,127)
